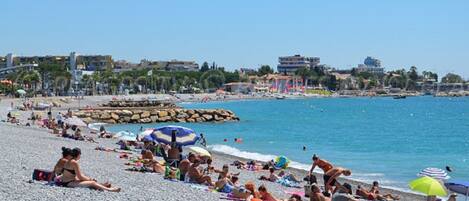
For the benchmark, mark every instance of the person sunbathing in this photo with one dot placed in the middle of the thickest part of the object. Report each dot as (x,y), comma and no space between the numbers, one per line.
(294,197)
(374,194)
(149,161)
(224,172)
(185,164)
(195,174)
(271,177)
(66,156)
(330,178)
(317,195)
(73,177)
(265,195)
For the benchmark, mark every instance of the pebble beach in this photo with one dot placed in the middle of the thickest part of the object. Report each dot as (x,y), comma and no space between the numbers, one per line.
(27,148)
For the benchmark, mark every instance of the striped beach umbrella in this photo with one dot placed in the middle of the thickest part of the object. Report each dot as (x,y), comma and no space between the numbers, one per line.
(435,173)
(182,136)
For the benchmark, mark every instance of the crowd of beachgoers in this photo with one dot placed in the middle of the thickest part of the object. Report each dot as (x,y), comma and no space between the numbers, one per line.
(182,173)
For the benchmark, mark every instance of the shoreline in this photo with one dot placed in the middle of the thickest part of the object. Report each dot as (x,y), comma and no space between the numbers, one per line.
(224,158)
(405,195)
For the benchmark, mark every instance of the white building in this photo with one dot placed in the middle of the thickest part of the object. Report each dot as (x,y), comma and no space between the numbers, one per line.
(290,64)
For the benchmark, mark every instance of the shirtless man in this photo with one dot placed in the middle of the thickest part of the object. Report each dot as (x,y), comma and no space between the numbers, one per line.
(323,164)
(330,178)
(185,165)
(196,175)
(317,194)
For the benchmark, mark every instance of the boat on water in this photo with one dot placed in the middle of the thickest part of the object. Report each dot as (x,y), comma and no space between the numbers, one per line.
(280,97)
(400,97)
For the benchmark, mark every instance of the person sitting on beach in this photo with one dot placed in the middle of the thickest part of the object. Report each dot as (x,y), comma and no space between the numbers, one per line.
(344,193)
(64,132)
(330,178)
(265,195)
(224,172)
(322,164)
(271,177)
(224,185)
(77,135)
(149,161)
(66,156)
(294,197)
(73,177)
(195,174)
(185,164)
(317,195)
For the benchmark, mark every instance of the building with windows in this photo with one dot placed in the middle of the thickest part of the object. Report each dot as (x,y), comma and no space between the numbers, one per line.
(288,65)
(370,65)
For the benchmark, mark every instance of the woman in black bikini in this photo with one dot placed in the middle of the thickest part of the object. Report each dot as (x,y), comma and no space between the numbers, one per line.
(73,177)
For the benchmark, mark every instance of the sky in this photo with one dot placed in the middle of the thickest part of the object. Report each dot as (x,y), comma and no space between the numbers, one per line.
(432,35)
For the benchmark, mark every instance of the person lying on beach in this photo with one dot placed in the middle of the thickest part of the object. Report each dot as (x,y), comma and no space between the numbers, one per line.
(73,177)
(344,193)
(374,194)
(317,195)
(276,177)
(195,175)
(330,178)
(265,195)
(322,164)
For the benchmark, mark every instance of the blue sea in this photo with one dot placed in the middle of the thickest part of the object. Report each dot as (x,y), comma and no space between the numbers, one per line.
(380,139)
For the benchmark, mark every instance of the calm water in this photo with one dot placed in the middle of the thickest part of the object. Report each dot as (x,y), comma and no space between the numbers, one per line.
(378,138)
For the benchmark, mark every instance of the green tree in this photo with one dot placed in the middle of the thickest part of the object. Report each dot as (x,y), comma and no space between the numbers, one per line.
(412,74)
(264,70)
(304,73)
(452,78)
(204,67)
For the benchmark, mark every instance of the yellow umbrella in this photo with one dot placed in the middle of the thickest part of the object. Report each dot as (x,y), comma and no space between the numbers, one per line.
(201,151)
(428,186)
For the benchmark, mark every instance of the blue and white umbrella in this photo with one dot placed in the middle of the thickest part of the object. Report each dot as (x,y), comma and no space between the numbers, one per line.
(435,173)
(183,136)
(461,187)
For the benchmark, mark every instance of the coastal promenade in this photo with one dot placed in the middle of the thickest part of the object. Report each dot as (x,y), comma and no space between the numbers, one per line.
(27,148)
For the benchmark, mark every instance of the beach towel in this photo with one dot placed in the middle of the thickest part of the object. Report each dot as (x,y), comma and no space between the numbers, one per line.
(287,183)
(43,175)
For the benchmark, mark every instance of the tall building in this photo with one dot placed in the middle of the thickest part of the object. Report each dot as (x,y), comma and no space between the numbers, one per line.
(290,64)
(370,65)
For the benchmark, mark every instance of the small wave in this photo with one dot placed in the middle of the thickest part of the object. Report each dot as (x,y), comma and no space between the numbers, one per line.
(243,154)
(225,149)
(95,126)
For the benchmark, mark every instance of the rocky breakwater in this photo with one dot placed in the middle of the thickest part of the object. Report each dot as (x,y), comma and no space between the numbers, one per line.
(148,115)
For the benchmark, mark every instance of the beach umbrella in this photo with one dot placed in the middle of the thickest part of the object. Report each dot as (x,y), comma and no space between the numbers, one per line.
(428,186)
(435,173)
(461,187)
(199,150)
(21,91)
(281,162)
(75,121)
(183,136)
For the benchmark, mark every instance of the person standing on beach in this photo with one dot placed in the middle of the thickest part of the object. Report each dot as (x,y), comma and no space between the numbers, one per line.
(321,163)
(203,141)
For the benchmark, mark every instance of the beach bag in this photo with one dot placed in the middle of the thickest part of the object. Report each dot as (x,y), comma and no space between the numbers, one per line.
(43,175)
